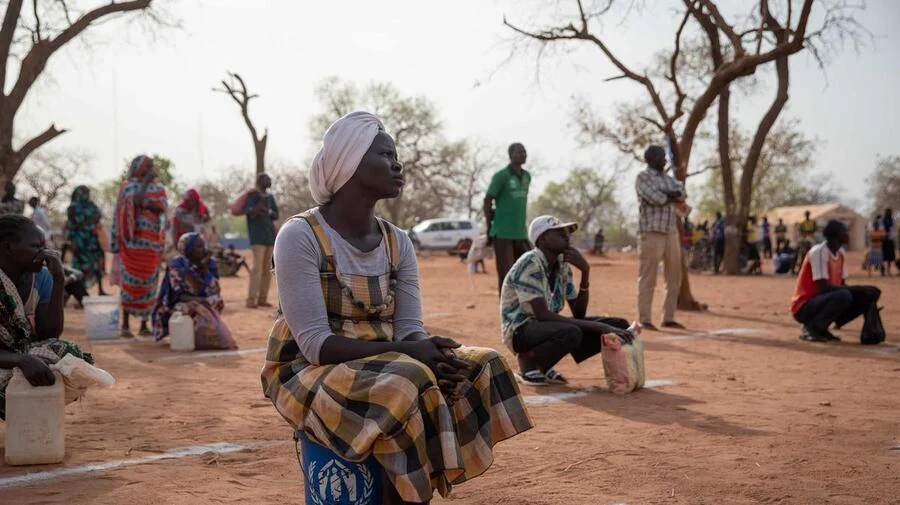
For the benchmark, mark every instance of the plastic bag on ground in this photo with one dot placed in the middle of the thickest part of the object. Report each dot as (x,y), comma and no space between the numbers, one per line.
(79,375)
(623,364)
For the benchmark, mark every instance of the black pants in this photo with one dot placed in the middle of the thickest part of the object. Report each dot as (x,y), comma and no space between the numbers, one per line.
(506,252)
(718,254)
(549,342)
(767,247)
(780,242)
(839,307)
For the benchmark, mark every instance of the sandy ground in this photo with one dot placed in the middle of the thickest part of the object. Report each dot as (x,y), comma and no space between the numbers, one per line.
(752,414)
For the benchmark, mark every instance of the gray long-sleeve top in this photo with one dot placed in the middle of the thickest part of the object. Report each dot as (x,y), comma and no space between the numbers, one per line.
(297,257)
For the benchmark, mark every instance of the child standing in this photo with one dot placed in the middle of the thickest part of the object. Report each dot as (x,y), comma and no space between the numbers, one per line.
(875,257)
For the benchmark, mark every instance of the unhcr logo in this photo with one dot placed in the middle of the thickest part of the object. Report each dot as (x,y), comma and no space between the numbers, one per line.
(335,483)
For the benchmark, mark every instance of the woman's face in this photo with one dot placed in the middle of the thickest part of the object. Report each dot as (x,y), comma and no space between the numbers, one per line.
(28,251)
(380,172)
(198,253)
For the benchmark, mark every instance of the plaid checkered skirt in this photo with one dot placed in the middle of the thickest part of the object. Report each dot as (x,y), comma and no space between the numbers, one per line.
(389,405)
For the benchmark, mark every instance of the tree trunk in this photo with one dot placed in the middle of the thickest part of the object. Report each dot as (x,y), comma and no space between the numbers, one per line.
(260,148)
(733,244)
(686,300)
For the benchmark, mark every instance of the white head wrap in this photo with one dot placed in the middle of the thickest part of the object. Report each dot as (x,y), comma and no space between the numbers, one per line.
(343,147)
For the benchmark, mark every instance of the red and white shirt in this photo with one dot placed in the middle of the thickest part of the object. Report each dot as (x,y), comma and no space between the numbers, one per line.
(819,264)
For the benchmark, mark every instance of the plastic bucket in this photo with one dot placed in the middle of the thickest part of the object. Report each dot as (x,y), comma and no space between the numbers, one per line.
(332,480)
(101,317)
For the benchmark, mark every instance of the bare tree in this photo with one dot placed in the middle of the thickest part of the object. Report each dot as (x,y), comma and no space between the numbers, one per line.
(769,36)
(29,36)
(587,196)
(237,90)
(433,165)
(476,167)
(785,173)
(884,184)
(52,175)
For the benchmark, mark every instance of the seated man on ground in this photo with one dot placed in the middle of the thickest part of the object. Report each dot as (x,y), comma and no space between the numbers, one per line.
(31,306)
(534,293)
(822,296)
(191,286)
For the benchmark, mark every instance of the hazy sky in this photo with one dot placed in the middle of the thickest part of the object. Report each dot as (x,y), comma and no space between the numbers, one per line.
(130,92)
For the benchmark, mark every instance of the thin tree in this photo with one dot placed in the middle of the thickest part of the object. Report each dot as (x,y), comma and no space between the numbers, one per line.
(28,38)
(237,90)
(766,40)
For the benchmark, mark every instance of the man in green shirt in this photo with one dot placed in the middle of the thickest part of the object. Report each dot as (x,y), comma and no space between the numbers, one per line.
(505,207)
(262,212)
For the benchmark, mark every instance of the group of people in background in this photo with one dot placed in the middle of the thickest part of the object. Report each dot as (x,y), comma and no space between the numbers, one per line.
(154,283)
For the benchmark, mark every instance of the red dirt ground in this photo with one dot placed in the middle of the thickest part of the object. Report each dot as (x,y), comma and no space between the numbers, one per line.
(753,415)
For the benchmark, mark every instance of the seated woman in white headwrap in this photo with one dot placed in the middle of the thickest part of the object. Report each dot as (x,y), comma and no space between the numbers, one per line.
(349,360)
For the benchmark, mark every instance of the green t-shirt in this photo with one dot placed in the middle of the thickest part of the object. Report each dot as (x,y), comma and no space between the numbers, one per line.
(510,193)
(261,229)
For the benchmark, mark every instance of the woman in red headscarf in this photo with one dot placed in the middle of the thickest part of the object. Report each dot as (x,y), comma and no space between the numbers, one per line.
(138,240)
(190,216)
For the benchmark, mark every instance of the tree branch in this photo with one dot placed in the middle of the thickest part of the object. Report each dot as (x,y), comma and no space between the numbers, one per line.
(673,70)
(10,20)
(37,19)
(569,32)
(36,59)
(41,139)
(242,97)
(726,28)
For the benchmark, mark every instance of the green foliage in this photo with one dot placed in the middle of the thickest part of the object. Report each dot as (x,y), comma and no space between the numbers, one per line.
(437,170)
(585,196)
(784,176)
(106,194)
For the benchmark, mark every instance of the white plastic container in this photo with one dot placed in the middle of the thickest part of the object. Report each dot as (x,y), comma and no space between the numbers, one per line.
(35,422)
(181,332)
(101,317)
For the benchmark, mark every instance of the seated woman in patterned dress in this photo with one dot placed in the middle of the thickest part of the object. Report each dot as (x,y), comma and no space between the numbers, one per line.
(31,306)
(191,286)
(349,361)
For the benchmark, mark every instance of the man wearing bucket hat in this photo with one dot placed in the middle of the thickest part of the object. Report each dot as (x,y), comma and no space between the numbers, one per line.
(535,291)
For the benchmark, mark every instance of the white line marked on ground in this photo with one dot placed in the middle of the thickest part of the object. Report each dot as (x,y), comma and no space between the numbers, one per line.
(211,354)
(578,393)
(883,348)
(35,477)
(438,315)
(716,333)
(121,341)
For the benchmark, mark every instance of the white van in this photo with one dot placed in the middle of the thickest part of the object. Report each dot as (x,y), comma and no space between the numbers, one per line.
(442,234)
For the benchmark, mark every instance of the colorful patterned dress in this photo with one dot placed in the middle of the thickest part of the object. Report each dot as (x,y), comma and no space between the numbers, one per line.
(389,405)
(138,238)
(17,333)
(185,280)
(81,227)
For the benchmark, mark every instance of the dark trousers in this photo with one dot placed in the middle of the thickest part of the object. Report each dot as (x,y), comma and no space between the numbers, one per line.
(506,252)
(767,247)
(718,254)
(839,307)
(545,343)
(780,242)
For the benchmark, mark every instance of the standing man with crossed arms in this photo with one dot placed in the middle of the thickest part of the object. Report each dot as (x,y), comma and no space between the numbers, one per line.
(658,237)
